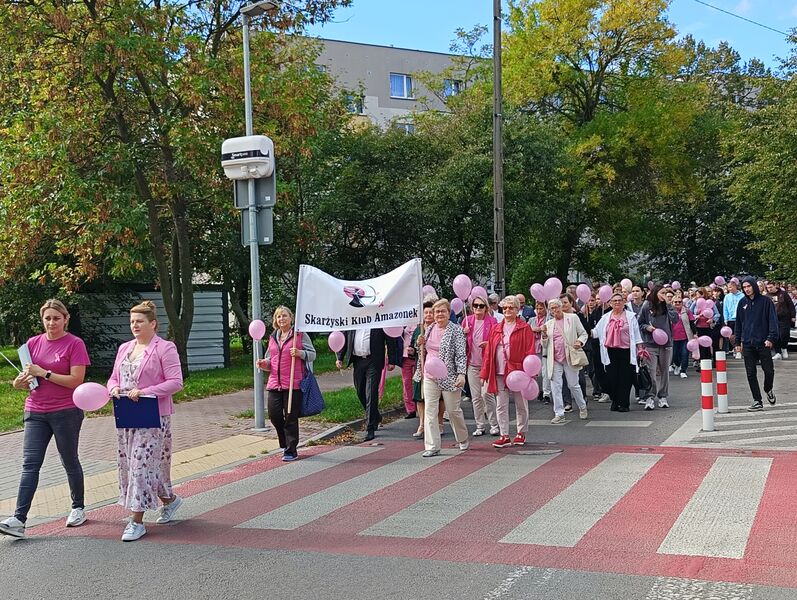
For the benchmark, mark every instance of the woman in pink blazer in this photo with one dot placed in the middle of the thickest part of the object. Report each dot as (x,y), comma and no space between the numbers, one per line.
(146,366)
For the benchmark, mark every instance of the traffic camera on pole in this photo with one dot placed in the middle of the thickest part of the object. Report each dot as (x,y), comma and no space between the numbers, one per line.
(248,157)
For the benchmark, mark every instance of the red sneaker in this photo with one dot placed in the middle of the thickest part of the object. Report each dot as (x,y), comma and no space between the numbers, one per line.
(502,442)
(519,440)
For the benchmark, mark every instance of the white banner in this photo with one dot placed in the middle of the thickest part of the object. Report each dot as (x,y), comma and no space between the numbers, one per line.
(324,303)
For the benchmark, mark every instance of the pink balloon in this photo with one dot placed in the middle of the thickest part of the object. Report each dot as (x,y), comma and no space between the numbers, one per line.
(532,365)
(90,396)
(660,337)
(336,341)
(428,290)
(707,313)
(712,286)
(726,332)
(531,391)
(692,345)
(393,332)
(629,298)
(552,287)
(676,285)
(517,380)
(700,305)
(704,341)
(457,305)
(710,304)
(651,285)
(583,292)
(538,292)
(627,284)
(462,286)
(719,280)
(434,368)
(478,291)
(735,280)
(605,293)
(257,329)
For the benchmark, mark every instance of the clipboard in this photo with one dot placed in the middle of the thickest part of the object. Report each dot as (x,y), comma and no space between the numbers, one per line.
(143,414)
(25,359)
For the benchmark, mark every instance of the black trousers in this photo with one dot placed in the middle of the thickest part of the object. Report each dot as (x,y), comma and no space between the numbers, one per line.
(367,374)
(784,331)
(286,425)
(619,377)
(753,354)
(40,428)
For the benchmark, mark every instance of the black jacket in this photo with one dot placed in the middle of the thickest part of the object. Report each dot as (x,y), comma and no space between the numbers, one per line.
(379,341)
(756,321)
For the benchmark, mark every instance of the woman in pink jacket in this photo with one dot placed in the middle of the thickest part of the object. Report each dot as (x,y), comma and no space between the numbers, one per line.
(278,358)
(147,365)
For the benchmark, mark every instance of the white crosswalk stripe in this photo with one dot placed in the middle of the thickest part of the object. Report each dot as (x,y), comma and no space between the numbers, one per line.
(718,519)
(569,516)
(306,510)
(249,486)
(434,512)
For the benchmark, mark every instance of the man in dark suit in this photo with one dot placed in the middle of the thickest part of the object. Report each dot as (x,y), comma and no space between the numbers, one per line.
(365,350)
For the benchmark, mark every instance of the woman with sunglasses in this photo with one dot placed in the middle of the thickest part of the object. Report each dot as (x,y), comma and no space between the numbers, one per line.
(477,329)
(620,341)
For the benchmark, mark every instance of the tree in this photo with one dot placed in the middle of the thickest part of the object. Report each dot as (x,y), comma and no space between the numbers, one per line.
(113,113)
(765,169)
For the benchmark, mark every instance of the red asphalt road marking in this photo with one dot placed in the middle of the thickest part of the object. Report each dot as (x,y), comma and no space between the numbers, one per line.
(473,537)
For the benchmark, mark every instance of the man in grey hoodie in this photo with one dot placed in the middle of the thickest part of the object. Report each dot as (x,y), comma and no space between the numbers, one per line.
(756,333)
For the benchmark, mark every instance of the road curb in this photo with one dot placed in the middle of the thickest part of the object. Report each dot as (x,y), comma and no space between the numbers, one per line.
(341,427)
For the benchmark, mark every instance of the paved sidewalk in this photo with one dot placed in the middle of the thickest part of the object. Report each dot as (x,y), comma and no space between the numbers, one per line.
(208,435)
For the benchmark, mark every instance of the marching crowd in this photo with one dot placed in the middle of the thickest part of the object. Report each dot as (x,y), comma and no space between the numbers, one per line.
(619,338)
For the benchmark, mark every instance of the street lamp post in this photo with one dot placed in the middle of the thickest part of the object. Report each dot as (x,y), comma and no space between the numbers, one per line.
(250,11)
(498,156)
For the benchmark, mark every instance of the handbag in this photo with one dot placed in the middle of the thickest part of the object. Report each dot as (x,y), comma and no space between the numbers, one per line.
(577,357)
(312,398)
(644,380)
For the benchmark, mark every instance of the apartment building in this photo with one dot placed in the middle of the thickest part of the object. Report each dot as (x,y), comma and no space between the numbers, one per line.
(381,79)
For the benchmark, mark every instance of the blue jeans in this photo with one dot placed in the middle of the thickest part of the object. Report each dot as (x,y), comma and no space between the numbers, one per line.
(680,354)
(39,430)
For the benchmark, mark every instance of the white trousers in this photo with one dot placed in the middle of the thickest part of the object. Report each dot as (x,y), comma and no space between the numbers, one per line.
(571,375)
(502,408)
(453,403)
(483,402)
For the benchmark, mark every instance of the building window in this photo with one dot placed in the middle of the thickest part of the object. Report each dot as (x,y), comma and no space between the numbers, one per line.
(355,104)
(407,128)
(451,87)
(401,86)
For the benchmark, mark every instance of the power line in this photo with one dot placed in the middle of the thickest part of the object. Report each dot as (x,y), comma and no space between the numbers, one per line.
(727,12)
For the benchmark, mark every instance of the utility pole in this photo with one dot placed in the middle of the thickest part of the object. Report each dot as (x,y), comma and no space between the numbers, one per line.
(498,156)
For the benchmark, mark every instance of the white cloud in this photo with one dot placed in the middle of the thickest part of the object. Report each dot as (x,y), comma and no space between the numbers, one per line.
(743,7)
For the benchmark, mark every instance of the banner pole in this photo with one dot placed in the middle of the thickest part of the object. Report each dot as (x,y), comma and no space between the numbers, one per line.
(293,367)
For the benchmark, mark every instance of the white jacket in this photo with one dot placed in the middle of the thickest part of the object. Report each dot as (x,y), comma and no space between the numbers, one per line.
(633,330)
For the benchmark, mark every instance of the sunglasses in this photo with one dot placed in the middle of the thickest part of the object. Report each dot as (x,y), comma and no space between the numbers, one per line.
(479,306)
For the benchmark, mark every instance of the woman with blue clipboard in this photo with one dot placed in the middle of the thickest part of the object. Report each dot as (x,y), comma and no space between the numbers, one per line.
(145,375)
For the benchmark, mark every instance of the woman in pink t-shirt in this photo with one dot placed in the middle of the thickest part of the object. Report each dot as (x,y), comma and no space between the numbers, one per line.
(59,361)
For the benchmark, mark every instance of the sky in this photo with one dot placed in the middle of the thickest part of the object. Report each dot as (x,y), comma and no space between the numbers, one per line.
(430,24)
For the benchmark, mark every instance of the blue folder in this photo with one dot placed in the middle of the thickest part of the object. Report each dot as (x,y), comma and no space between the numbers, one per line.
(143,414)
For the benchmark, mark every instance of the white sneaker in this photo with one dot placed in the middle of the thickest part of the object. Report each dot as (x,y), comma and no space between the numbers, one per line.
(13,527)
(495,430)
(776,356)
(479,432)
(784,353)
(738,355)
(640,400)
(583,414)
(663,403)
(133,531)
(604,398)
(684,375)
(557,420)
(671,369)
(167,511)
(649,405)
(676,371)
(76,518)
(464,445)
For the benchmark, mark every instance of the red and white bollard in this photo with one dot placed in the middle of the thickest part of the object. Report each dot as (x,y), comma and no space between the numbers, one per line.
(722,382)
(707,394)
